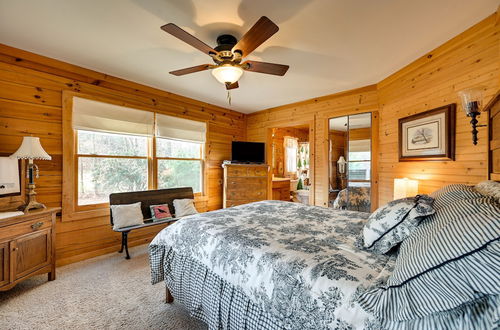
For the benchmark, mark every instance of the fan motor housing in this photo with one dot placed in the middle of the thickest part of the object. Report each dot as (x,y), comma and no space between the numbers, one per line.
(225,44)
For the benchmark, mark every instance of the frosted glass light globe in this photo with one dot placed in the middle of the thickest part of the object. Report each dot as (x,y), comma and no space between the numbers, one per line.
(227,74)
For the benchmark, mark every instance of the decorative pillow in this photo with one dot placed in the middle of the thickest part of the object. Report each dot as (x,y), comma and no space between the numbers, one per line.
(489,188)
(390,224)
(453,193)
(450,261)
(184,207)
(159,212)
(126,215)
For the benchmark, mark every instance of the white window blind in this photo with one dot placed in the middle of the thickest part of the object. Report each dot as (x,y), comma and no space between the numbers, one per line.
(92,115)
(180,129)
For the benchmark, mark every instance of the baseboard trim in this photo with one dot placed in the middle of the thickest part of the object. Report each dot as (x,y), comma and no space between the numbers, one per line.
(96,253)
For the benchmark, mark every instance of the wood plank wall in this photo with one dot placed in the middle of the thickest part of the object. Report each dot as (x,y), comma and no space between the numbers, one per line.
(317,110)
(31,89)
(470,59)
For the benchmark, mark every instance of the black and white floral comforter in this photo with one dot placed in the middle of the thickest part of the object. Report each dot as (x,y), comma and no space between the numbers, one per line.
(298,263)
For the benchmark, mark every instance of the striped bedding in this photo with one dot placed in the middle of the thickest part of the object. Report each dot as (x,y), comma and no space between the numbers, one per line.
(449,264)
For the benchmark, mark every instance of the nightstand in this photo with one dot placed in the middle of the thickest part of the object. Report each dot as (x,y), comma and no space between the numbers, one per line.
(27,246)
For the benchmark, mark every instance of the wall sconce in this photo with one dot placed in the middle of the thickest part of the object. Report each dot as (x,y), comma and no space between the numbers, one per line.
(341,164)
(471,102)
(405,188)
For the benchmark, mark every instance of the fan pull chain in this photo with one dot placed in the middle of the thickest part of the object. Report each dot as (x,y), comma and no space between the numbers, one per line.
(229,97)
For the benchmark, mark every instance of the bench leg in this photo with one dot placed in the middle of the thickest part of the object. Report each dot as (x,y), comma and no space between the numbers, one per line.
(121,247)
(168,296)
(125,243)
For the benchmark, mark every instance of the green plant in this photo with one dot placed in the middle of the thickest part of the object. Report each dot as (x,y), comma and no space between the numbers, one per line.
(300,185)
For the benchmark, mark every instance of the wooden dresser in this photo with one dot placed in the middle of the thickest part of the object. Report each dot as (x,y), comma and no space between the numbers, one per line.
(27,246)
(245,184)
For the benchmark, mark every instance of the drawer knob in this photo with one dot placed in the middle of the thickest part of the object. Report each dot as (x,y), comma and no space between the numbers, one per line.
(36,225)
(15,249)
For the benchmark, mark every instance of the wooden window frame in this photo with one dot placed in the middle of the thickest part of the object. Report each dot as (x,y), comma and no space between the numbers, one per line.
(71,211)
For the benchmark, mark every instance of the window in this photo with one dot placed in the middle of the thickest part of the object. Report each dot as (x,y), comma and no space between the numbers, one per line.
(117,150)
(359,166)
(110,163)
(291,150)
(179,164)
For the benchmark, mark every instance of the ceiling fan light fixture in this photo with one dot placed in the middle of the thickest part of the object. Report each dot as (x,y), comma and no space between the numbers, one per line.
(227,74)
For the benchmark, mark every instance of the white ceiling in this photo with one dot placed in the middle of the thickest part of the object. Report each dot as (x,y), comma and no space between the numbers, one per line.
(330,45)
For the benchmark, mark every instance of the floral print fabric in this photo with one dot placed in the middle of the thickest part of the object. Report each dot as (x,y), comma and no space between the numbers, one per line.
(390,224)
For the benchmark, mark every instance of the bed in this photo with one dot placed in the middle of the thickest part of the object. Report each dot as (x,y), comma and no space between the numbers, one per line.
(275,264)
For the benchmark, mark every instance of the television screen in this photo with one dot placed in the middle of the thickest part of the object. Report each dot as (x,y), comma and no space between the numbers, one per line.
(248,152)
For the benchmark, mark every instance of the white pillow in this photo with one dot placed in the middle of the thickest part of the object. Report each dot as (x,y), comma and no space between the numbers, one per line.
(184,207)
(127,215)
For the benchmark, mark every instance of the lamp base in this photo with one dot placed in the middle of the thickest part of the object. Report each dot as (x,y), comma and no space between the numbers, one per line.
(32,203)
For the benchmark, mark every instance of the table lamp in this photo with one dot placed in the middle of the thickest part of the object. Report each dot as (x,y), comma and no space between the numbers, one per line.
(405,188)
(31,149)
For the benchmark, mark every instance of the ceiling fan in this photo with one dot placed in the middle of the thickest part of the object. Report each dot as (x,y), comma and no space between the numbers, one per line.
(229,53)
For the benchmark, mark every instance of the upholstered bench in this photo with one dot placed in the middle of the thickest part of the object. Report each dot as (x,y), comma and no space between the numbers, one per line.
(147,198)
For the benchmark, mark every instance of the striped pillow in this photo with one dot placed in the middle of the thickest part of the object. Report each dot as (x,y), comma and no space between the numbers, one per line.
(453,193)
(390,224)
(451,259)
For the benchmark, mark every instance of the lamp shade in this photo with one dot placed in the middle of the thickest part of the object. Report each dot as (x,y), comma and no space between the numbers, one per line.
(31,149)
(227,73)
(405,188)
(472,99)
(341,164)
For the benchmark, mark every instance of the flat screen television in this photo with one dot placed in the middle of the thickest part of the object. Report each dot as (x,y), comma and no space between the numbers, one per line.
(248,152)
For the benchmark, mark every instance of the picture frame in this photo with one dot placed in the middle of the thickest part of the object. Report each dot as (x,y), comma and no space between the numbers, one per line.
(428,136)
(10,177)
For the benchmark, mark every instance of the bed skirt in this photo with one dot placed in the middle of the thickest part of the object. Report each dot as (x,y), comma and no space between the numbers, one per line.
(208,297)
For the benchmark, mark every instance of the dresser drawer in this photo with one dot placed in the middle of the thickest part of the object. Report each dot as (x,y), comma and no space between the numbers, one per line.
(243,194)
(230,203)
(246,183)
(257,171)
(25,227)
(237,171)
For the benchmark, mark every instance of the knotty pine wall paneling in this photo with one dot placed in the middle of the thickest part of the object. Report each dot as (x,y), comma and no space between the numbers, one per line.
(31,89)
(470,59)
(317,111)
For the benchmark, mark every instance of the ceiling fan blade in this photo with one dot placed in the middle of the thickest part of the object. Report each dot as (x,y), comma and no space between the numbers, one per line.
(264,67)
(232,86)
(188,38)
(260,32)
(192,69)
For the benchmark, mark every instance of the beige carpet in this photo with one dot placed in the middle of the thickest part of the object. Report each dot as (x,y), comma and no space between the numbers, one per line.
(106,292)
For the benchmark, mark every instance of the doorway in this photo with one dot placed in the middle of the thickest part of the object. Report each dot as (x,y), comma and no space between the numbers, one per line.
(290,156)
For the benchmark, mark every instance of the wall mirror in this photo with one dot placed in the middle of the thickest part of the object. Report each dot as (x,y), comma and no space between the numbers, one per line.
(350,162)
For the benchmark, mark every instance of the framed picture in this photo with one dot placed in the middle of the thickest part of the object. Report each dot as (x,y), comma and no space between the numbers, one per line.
(10,177)
(429,135)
